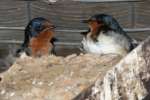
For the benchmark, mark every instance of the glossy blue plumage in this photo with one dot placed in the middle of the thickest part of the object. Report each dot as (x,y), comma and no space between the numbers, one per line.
(35,26)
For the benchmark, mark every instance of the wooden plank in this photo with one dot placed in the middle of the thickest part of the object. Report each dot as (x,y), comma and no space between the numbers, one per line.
(143,11)
(76,30)
(67,16)
(12,13)
(108,0)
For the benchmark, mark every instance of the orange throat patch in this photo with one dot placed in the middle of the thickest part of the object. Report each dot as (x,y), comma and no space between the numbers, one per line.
(41,45)
(94,27)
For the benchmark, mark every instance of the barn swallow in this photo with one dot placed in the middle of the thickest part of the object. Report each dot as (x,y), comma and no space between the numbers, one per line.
(105,35)
(38,38)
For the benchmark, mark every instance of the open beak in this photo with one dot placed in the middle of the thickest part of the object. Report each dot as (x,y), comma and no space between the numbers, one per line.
(52,26)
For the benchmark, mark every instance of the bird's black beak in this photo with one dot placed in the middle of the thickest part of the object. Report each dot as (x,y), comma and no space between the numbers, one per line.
(52,26)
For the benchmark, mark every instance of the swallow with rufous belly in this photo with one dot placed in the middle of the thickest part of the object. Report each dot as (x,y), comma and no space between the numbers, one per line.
(39,38)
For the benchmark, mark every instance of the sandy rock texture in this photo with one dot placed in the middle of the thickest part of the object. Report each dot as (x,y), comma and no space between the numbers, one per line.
(128,80)
(53,77)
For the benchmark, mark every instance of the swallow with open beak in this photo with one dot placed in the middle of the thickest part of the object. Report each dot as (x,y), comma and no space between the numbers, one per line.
(39,38)
(105,36)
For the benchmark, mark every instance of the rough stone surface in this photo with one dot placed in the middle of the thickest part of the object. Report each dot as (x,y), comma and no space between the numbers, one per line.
(53,78)
(128,80)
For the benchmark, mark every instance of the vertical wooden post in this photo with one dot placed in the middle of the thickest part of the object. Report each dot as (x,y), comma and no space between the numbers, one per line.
(132,14)
(29,10)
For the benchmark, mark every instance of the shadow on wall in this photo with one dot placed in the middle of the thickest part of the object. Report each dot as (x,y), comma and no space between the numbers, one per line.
(7,57)
(7,53)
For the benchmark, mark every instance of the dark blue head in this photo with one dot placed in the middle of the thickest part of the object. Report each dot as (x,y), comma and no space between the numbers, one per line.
(36,25)
(108,22)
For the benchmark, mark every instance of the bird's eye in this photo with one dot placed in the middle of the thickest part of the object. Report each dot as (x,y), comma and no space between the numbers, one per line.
(39,28)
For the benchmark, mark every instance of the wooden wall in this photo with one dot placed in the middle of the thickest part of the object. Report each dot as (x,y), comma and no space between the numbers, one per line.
(68,15)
